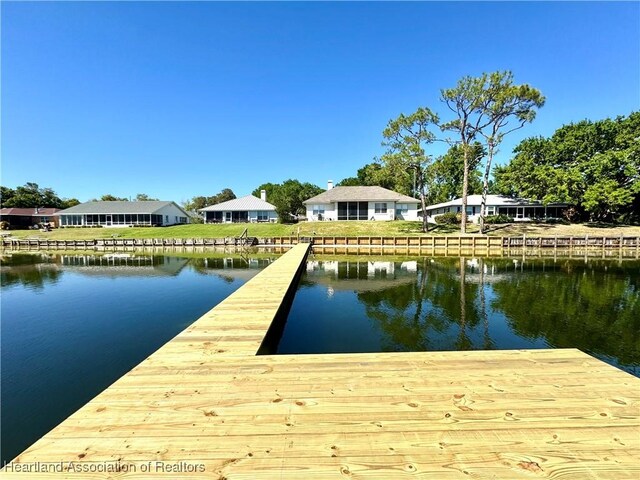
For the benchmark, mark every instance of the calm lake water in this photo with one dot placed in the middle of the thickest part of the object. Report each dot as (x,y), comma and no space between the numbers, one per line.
(72,325)
(468,304)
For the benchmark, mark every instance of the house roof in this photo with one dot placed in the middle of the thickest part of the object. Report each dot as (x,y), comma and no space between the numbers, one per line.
(360,194)
(493,200)
(29,212)
(144,207)
(241,204)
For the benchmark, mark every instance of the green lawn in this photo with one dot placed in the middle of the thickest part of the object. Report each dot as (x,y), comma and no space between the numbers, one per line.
(349,229)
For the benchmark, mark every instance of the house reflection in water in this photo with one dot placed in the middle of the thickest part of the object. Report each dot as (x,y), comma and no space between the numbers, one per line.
(124,264)
(39,269)
(349,275)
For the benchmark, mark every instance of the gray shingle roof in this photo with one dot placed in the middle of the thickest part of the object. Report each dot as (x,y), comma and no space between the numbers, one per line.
(497,200)
(360,194)
(117,207)
(240,204)
(29,212)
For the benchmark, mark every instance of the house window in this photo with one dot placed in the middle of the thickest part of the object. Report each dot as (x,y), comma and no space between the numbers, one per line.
(381,208)
(491,210)
(318,210)
(263,216)
(353,210)
(166,218)
(401,210)
(72,220)
(510,211)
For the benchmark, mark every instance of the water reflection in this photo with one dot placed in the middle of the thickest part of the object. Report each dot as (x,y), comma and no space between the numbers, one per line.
(33,271)
(72,324)
(468,304)
(36,270)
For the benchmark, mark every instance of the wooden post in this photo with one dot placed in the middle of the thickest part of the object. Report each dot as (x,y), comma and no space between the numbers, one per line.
(620,251)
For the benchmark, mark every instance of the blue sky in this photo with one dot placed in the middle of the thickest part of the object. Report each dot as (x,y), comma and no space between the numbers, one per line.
(183,99)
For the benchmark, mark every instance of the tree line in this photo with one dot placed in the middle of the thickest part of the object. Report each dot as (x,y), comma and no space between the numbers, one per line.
(592,165)
(31,195)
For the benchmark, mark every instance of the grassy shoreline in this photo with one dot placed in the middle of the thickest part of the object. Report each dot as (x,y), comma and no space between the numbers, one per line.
(337,229)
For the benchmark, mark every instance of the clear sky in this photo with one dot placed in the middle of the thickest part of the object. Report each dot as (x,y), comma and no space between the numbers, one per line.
(183,99)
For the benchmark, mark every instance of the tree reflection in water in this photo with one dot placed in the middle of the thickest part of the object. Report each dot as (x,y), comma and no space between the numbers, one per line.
(474,303)
(33,271)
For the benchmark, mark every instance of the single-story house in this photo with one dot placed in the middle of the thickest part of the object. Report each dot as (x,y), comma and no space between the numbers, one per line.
(243,209)
(519,209)
(361,203)
(123,214)
(27,217)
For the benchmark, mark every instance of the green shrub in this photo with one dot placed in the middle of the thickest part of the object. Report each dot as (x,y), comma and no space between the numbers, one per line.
(501,218)
(448,218)
(631,218)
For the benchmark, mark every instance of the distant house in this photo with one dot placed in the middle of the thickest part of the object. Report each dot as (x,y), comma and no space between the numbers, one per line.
(27,217)
(123,214)
(243,209)
(361,203)
(519,209)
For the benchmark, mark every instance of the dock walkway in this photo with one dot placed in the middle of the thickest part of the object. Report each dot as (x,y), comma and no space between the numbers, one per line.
(204,406)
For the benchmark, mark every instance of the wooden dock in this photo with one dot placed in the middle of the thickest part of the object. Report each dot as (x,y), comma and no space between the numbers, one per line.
(204,406)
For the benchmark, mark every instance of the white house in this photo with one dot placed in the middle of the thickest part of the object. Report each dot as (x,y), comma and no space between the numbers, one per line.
(123,214)
(243,209)
(361,203)
(519,209)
